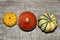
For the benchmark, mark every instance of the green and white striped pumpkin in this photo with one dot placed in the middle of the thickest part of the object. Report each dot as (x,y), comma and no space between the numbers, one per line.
(47,22)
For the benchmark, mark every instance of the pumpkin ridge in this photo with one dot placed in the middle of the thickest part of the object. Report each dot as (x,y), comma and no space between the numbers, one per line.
(46,26)
(42,19)
(53,22)
(45,16)
(48,15)
(49,28)
(42,24)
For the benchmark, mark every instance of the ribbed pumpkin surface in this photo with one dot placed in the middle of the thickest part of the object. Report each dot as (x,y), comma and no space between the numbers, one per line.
(10,19)
(47,22)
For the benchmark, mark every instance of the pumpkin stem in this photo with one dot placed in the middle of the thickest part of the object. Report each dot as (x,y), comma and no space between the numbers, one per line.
(9,17)
(27,20)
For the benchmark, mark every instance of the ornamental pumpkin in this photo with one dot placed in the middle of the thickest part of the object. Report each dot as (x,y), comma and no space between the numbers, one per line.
(10,19)
(27,21)
(47,22)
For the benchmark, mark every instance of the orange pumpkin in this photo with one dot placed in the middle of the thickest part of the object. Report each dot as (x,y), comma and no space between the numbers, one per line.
(10,19)
(27,21)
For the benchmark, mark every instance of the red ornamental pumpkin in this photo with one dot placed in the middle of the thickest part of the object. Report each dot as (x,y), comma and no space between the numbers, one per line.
(27,21)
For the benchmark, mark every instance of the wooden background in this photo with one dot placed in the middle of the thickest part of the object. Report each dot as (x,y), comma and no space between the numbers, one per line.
(35,6)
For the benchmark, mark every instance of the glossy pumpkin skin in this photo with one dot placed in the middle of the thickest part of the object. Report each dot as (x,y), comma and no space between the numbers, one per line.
(10,19)
(47,22)
(32,21)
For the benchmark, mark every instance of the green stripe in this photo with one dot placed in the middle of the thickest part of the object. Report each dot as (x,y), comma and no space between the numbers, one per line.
(45,16)
(42,19)
(48,15)
(45,26)
(52,20)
